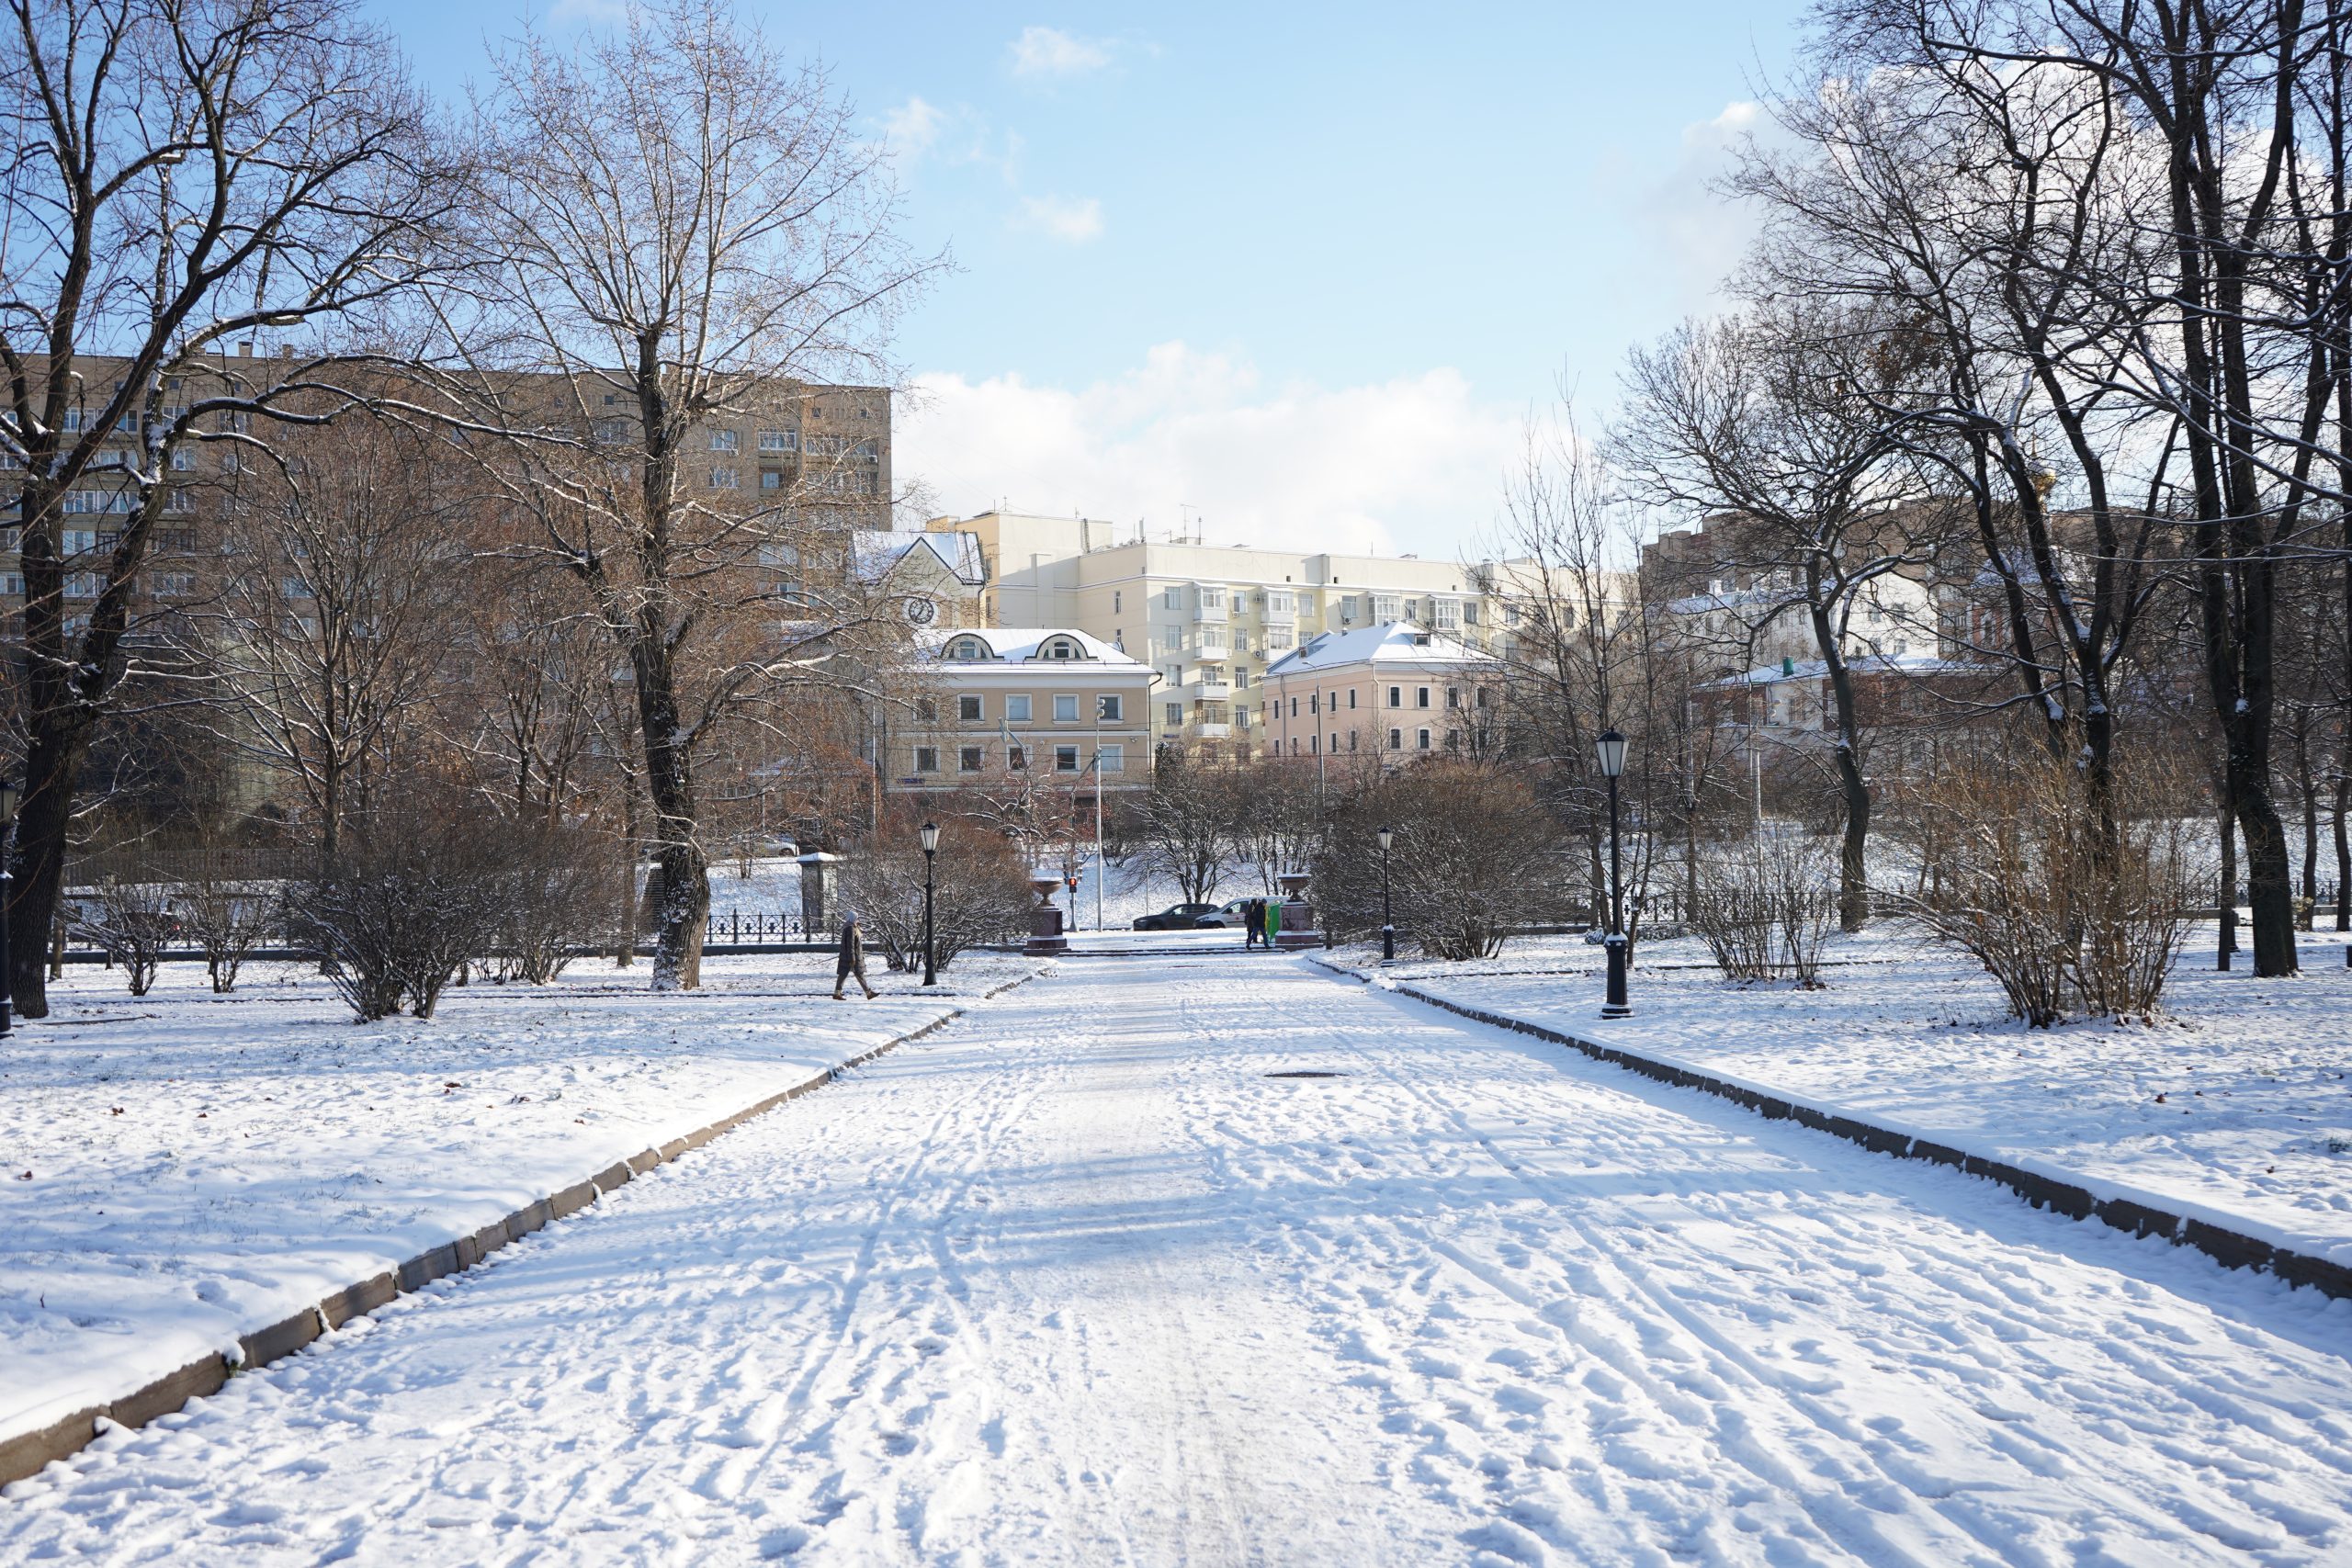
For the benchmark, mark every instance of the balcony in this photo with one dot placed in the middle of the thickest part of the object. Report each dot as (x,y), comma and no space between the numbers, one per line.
(1214,644)
(1209,732)
(1211,691)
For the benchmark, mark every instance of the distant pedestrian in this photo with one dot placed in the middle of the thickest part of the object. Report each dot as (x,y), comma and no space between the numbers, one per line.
(1273,921)
(1253,921)
(850,959)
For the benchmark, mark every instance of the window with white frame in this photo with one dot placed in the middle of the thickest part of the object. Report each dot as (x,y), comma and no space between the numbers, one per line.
(1172,639)
(1065,759)
(1396,740)
(1212,598)
(725,478)
(726,441)
(1175,713)
(967,709)
(926,758)
(771,478)
(1387,608)
(1448,614)
(968,760)
(1172,599)
(1424,738)
(776,441)
(1065,707)
(1112,758)
(1107,708)
(1016,708)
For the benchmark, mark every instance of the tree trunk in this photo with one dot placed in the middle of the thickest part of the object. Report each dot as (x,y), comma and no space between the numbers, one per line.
(2226,900)
(38,884)
(2342,842)
(677,849)
(2307,785)
(2270,884)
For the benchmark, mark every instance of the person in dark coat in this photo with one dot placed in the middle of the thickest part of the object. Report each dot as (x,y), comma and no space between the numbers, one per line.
(850,959)
(1253,920)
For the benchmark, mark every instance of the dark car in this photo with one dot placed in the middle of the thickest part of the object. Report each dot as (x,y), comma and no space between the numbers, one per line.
(1175,918)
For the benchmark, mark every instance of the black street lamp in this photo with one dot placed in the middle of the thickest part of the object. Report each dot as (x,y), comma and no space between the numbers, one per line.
(1387,920)
(10,793)
(930,859)
(1610,751)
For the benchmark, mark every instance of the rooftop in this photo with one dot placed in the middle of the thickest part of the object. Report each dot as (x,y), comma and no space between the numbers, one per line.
(1015,645)
(1385,642)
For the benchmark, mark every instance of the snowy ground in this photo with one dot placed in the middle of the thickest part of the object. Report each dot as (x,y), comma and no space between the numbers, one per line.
(2237,1105)
(1074,1281)
(180,1168)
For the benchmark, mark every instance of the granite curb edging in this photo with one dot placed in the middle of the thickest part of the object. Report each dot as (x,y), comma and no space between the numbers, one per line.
(2231,1248)
(28,1453)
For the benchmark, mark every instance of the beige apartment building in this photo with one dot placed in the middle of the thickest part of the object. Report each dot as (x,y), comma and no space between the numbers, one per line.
(1006,707)
(1383,695)
(1211,620)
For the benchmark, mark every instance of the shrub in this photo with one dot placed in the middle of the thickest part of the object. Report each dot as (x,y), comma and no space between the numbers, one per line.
(227,920)
(2068,911)
(980,889)
(132,923)
(1764,906)
(558,898)
(1476,855)
(414,891)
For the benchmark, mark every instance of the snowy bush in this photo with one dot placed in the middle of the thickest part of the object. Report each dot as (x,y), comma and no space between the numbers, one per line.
(2073,908)
(1764,906)
(559,900)
(408,897)
(980,889)
(227,920)
(1476,855)
(131,923)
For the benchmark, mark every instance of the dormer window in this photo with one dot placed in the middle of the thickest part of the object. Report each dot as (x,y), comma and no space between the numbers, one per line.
(1061,648)
(966,647)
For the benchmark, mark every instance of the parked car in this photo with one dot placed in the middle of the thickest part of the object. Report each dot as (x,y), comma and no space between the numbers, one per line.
(1232,912)
(1175,918)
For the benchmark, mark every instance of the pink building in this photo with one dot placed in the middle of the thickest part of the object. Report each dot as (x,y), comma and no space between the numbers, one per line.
(1392,691)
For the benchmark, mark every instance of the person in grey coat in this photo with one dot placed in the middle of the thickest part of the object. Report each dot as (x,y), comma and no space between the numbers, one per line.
(850,959)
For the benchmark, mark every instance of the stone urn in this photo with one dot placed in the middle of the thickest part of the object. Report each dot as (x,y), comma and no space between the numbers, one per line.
(1045,936)
(1298,915)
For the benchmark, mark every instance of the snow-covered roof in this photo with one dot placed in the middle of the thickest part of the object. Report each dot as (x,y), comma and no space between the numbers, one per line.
(879,552)
(1384,642)
(1914,664)
(1014,645)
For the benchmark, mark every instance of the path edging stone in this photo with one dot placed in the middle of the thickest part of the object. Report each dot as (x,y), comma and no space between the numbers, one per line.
(28,1453)
(2231,1248)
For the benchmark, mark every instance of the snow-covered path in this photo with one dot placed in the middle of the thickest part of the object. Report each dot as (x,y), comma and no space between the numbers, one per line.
(1074,1281)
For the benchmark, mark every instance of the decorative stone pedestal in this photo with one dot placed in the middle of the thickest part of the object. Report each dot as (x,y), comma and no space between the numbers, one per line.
(820,881)
(1298,915)
(1046,938)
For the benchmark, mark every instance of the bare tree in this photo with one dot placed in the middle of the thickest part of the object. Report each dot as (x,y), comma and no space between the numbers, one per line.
(685,233)
(181,176)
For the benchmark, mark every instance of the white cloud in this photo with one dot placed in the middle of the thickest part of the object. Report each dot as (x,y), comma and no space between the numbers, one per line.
(912,127)
(589,11)
(1065,218)
(1702,235)
(1050,52)
(1415,463)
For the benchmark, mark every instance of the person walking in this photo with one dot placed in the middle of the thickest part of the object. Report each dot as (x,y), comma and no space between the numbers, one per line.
(1273,921)
(1253,922)
(850,959)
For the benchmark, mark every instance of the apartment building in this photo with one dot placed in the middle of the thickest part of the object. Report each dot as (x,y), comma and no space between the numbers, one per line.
(1388,693)
(1006,707)
(827,449)
(1211,620)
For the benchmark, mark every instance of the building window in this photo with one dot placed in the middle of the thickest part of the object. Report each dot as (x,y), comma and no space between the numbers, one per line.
(1016,708)
(1116,598)
(725,441)
(1453,696)
(1351,740)
(1387,607)
(1294,745)
(927,710)
(1173,637)
(964,648)
(967,709)
(968,759)
(1017,759)
(1448,614)
(1424,741)
(1065,759)
(1420,696)
(1314,701)
(1111,759)
(1294,708)
(1396,740)
(1065,707)
(771,478)
(724,478)
(1173,598)
(1175,715)
(1061,648)
(1395,696)
(775,441)
(1106,707)
(1212,598)
(1453,741)
(1313,745)
(926,758)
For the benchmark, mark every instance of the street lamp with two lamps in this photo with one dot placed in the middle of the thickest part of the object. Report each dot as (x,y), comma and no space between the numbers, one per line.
(1609,750)
(930,859)
(1387,920)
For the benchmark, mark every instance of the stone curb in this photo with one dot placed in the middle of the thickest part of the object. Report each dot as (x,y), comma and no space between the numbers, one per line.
(28,1453)
(2232,1249)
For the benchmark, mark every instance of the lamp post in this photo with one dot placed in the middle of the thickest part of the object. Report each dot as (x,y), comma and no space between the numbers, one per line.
(1387,918)
(10,793)
(930,859)
(1609,749)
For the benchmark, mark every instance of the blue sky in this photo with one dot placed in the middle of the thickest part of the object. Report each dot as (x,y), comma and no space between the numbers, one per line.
(1298,268)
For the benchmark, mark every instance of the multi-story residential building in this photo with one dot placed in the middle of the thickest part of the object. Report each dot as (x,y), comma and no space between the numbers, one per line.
(1394,693)
(1212,619)
(1005,707)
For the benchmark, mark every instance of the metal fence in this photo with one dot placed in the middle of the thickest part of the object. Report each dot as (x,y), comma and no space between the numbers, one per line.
(735,927)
